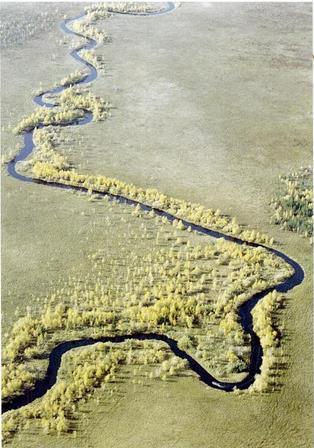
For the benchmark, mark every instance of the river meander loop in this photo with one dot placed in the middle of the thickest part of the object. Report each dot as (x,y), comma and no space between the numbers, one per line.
(41,386)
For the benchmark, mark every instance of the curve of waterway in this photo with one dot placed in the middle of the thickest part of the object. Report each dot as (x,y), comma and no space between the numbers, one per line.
(41,386)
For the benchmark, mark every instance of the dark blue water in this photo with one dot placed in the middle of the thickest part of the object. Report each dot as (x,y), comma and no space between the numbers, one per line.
(245,318)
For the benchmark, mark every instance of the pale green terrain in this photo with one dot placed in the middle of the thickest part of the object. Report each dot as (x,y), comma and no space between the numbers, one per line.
(211,103)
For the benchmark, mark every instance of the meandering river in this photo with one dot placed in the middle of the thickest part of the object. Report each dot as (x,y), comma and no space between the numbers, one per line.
(245,317)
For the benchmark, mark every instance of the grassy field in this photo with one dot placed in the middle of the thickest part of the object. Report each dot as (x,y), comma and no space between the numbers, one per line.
(202,116)
(190,122)
(35,238)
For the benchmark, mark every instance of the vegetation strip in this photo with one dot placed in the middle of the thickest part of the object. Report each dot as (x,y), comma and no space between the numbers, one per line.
(245,309)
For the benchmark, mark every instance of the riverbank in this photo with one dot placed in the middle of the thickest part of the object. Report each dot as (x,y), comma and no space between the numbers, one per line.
(212,401)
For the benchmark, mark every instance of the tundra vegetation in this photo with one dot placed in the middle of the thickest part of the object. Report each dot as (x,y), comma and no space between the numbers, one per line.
(69,80)
(181,209)
(48,165)
(96,60)
(126,7)
(85,370)
(265,326)
(293,204)
(85,28)
(71,105)
(188,292)
(16,27)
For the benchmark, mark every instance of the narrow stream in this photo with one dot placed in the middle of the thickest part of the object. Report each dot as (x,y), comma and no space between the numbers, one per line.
(43,385)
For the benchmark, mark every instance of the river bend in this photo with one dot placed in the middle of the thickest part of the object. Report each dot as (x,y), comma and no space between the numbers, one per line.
(245,318)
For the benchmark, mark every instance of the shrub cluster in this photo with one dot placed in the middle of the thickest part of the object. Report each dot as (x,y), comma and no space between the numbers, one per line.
(94,59)
(72,78)
(264,317)
(293,204)
(84,28)
(82,372)
(71,105)
(99,10)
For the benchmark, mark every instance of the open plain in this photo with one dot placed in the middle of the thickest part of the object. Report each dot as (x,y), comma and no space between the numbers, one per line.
(210,103)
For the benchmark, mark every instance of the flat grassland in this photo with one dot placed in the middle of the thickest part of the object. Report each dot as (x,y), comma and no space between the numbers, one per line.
(212,102)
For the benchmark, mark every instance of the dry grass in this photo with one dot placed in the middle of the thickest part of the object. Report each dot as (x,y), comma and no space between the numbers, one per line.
(180,413)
